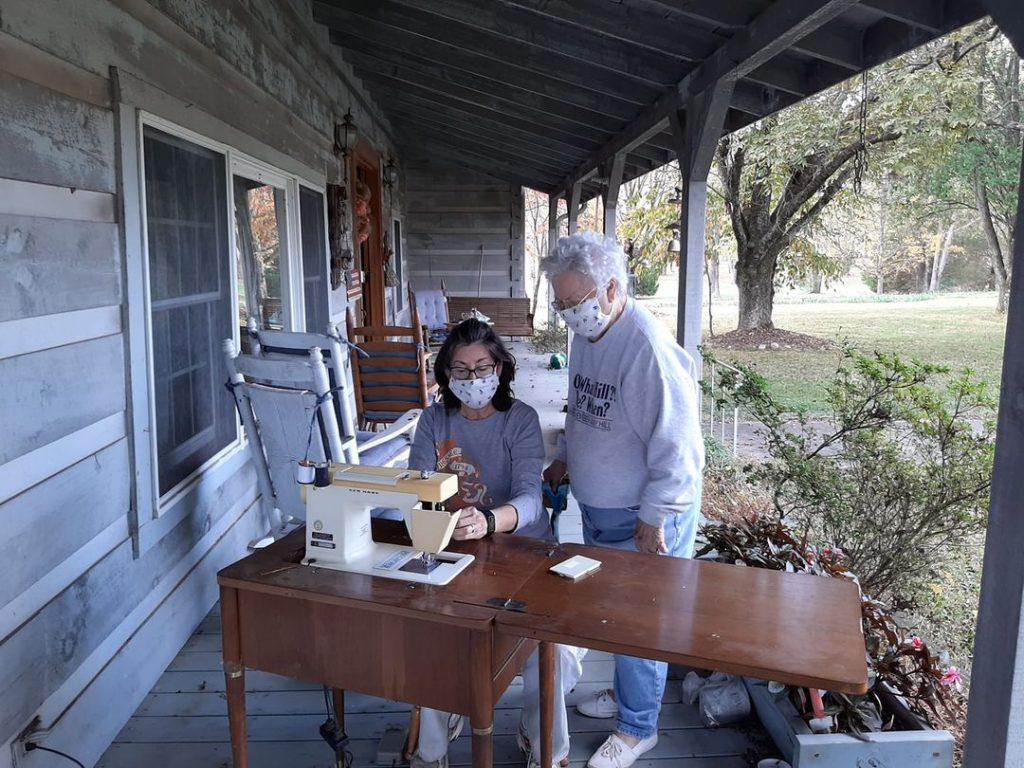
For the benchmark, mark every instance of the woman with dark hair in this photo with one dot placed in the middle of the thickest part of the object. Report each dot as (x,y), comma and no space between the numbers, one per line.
(493,442)
(484,435)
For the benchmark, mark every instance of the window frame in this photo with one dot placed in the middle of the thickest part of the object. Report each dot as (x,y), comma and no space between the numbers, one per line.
(150,505)
(325,256)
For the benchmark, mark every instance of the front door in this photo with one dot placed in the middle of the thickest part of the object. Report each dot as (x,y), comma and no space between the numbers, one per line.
(366,196)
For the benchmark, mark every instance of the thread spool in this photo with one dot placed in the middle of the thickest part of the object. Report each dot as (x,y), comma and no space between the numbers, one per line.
(322,475)
(305,472)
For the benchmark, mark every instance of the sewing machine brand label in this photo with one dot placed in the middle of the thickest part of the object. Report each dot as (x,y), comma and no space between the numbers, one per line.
(322,544)
(322,536)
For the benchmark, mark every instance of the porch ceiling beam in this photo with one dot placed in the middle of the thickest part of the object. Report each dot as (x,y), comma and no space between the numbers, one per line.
(923,14)
(437,30)
(403,102)
(512,173)
(768,35)
(525,166)
(538,109)
(408,49)
(495,107)
(429,100)
(889,37)
(1007,15)
(668,34)
(473,131)
(503,22)
(533,159)
(413,69)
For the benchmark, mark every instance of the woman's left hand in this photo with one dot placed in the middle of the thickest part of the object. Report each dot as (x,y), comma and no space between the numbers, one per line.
(650,538)
(472,525)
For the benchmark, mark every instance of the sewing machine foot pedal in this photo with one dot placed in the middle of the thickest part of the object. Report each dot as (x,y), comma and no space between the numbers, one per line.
(391,747)
(336,738)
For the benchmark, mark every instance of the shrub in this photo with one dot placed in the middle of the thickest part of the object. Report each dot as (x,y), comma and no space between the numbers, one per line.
(899,473)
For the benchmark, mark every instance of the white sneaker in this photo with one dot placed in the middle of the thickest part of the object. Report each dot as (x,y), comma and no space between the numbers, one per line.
(615,753)
(601,705)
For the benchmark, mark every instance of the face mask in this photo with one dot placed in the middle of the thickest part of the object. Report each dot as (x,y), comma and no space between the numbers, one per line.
(476,393)
(586,318)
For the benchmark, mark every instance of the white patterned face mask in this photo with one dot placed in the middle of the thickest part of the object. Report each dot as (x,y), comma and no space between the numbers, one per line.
(586,318)
(475,393)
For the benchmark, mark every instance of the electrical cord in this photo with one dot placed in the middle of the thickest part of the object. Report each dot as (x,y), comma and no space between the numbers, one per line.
(29,747)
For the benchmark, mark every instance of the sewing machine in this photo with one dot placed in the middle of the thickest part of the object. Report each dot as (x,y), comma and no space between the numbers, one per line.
(338,523)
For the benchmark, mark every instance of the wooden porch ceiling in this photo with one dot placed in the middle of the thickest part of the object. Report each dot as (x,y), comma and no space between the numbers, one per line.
(545,92)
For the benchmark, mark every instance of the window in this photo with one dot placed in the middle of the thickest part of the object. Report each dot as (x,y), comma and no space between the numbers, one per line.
(191,303)
(261,228)
(314,259)
(399,294)
(225,238)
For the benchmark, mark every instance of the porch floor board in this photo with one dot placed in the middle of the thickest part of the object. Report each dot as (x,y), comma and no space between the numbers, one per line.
(183,721)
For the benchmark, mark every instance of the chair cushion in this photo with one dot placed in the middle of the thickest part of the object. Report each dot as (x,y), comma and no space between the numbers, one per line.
(433,308)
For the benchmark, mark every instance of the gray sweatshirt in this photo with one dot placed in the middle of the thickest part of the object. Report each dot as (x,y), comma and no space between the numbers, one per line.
(498,460)
(632,431)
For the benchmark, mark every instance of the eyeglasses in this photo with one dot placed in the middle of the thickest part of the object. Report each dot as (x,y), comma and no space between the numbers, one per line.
(561,306)
(480,372)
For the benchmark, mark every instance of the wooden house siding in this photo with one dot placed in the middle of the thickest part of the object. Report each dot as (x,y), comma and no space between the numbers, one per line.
(464,228)
(98,594)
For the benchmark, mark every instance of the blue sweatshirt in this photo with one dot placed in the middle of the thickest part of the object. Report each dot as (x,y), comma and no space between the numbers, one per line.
(632,431)
(498,460)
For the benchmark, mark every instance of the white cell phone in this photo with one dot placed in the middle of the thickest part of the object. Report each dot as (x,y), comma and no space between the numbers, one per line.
(576,567)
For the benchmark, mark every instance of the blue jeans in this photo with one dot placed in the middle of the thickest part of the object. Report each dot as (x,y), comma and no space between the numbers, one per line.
(639,683)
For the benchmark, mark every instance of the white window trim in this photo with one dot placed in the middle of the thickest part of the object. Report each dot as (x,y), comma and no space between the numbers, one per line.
(148,502)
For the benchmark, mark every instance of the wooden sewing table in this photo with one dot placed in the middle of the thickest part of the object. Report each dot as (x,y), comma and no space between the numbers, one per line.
(456,648)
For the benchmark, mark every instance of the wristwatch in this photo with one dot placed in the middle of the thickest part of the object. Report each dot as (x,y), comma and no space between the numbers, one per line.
(490,520)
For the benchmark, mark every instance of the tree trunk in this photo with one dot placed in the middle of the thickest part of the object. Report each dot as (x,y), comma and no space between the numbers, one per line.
(941,257)
(714,288)
(755,278)
(880,256)
(995,249)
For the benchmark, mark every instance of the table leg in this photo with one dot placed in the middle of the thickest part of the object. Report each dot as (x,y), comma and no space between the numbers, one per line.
(547,703)
(234,676)
(483,743)
(481,718)
(338,702)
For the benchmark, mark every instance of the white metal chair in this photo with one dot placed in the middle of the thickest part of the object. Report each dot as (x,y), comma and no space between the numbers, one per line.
(286,409)
(389,448)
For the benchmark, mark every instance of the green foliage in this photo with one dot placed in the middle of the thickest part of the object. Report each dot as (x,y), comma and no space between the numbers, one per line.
(549,339)
(898,473)
(647,278)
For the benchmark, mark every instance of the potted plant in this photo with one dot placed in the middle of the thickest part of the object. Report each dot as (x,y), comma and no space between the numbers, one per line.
(891,723)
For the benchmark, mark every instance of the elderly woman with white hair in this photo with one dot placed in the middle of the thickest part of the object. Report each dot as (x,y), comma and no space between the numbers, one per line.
(633,452)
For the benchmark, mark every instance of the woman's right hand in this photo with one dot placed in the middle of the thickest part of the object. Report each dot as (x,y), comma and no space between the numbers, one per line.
(556,473)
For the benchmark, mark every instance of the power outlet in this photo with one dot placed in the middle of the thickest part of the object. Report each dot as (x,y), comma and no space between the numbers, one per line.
(32,733)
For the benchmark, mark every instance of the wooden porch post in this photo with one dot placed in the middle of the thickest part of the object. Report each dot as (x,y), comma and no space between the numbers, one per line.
(572,197)
(611,198)
(995,722)
(552,239)
(696,130)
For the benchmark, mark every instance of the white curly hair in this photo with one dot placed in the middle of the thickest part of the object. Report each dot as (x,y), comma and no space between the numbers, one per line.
(598,257)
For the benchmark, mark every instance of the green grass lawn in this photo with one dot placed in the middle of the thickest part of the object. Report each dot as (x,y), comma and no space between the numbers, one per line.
(959,331)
